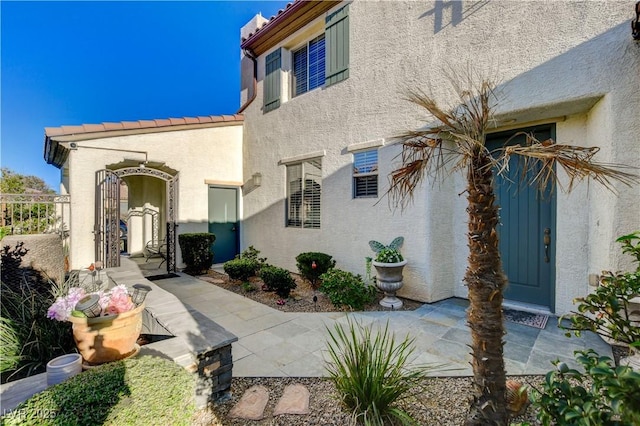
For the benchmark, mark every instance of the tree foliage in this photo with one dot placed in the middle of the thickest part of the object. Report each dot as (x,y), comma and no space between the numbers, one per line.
(16,183)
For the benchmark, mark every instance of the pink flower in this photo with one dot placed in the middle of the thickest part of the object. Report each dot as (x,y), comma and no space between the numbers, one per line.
(119,301)
(115,301)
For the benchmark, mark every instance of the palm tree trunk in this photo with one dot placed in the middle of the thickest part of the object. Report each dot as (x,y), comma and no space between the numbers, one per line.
(486,281)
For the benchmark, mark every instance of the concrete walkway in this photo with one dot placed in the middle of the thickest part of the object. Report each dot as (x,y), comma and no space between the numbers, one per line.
(276,344)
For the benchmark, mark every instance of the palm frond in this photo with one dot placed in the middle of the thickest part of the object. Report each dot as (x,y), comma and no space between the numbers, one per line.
(577,162)
(447,144)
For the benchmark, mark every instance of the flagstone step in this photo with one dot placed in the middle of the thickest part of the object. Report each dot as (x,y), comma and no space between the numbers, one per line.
(251,406)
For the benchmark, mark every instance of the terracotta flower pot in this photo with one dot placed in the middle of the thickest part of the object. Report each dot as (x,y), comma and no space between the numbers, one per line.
(107,338)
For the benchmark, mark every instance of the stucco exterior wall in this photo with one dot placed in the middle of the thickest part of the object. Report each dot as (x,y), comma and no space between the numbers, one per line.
(199,156)
(570,63)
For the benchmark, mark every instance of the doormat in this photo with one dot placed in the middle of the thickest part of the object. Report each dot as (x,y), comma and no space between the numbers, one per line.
(526,318)
(162,277)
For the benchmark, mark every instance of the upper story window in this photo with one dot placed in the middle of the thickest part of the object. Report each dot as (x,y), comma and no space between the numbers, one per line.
(322,61)
(304,188)
(365,174)
(309,66)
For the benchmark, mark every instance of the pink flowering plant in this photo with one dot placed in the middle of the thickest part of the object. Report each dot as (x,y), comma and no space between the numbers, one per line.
(112,302)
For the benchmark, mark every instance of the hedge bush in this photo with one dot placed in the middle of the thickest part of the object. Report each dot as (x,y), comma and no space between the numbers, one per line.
(245,265)
(305,261)
(138,391)
(240,269)
(278,280)
(345,288)
(196,251)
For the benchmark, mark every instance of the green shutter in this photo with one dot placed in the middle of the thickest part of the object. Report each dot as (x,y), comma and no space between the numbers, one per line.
(337,46)
(271,84)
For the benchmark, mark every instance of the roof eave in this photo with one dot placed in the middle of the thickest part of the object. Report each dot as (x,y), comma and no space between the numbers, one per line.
(286,23)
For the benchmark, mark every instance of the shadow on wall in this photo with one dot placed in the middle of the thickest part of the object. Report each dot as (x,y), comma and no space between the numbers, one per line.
(451,9)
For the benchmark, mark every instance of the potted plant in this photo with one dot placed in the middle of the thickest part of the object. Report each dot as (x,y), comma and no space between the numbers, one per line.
(106,324)
(389,264)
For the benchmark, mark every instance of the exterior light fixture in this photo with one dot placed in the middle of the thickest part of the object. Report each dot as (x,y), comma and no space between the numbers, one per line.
(257,179)
(139,293)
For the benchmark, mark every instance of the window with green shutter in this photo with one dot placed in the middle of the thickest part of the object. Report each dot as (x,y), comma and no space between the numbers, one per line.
(337,46)
(271,84)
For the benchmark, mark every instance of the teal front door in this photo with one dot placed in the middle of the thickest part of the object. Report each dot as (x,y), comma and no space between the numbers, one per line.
(527,227)
(223,222)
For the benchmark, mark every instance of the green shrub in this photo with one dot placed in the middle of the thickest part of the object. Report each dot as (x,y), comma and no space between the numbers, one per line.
(371,374)
(602,395)
(278,280)
(252,253)
(248,287)
(344,288)
(607,311)
(196,251)
(389,255)
(138,391)
(240,269)
(9,346)
(245,265)
(306,261)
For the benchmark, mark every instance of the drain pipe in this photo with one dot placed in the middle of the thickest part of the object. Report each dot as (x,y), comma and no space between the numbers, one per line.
(249,53)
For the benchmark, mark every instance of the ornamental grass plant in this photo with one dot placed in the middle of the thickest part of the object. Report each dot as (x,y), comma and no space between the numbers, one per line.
(371,373)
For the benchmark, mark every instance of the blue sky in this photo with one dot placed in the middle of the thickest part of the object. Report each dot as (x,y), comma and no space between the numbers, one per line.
(69,63)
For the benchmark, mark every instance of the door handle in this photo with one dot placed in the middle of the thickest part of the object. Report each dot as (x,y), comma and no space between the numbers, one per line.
(546,239)
(233,229)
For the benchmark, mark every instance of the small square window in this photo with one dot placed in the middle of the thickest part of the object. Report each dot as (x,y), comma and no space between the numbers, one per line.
(365,174)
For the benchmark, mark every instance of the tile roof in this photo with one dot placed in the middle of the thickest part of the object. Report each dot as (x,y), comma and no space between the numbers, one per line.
(140,124)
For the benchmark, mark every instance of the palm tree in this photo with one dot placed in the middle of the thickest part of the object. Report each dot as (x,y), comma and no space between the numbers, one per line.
(456,142)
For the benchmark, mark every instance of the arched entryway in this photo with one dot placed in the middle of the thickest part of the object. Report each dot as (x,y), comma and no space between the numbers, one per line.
(143,180)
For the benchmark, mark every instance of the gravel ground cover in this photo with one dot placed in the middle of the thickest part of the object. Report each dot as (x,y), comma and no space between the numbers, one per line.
(443,401)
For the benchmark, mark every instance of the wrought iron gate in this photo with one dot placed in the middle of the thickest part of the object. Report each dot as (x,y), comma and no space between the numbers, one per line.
(107,218)
(108,213)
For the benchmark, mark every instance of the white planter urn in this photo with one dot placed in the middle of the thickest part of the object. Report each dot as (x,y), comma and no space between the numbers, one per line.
(63,367)
(389,280)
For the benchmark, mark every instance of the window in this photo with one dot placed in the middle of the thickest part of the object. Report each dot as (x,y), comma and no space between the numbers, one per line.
(365,174)
(323,61)
(304,187)
(308,66)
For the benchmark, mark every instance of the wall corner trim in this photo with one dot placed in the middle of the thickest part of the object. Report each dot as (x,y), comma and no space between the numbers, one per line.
(375,143)
(302,157)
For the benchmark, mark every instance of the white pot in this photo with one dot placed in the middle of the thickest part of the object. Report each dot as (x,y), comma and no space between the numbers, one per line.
(63,367)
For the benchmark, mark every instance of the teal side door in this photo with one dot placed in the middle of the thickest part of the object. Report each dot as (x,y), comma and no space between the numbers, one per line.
(223,222)
(526,229)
